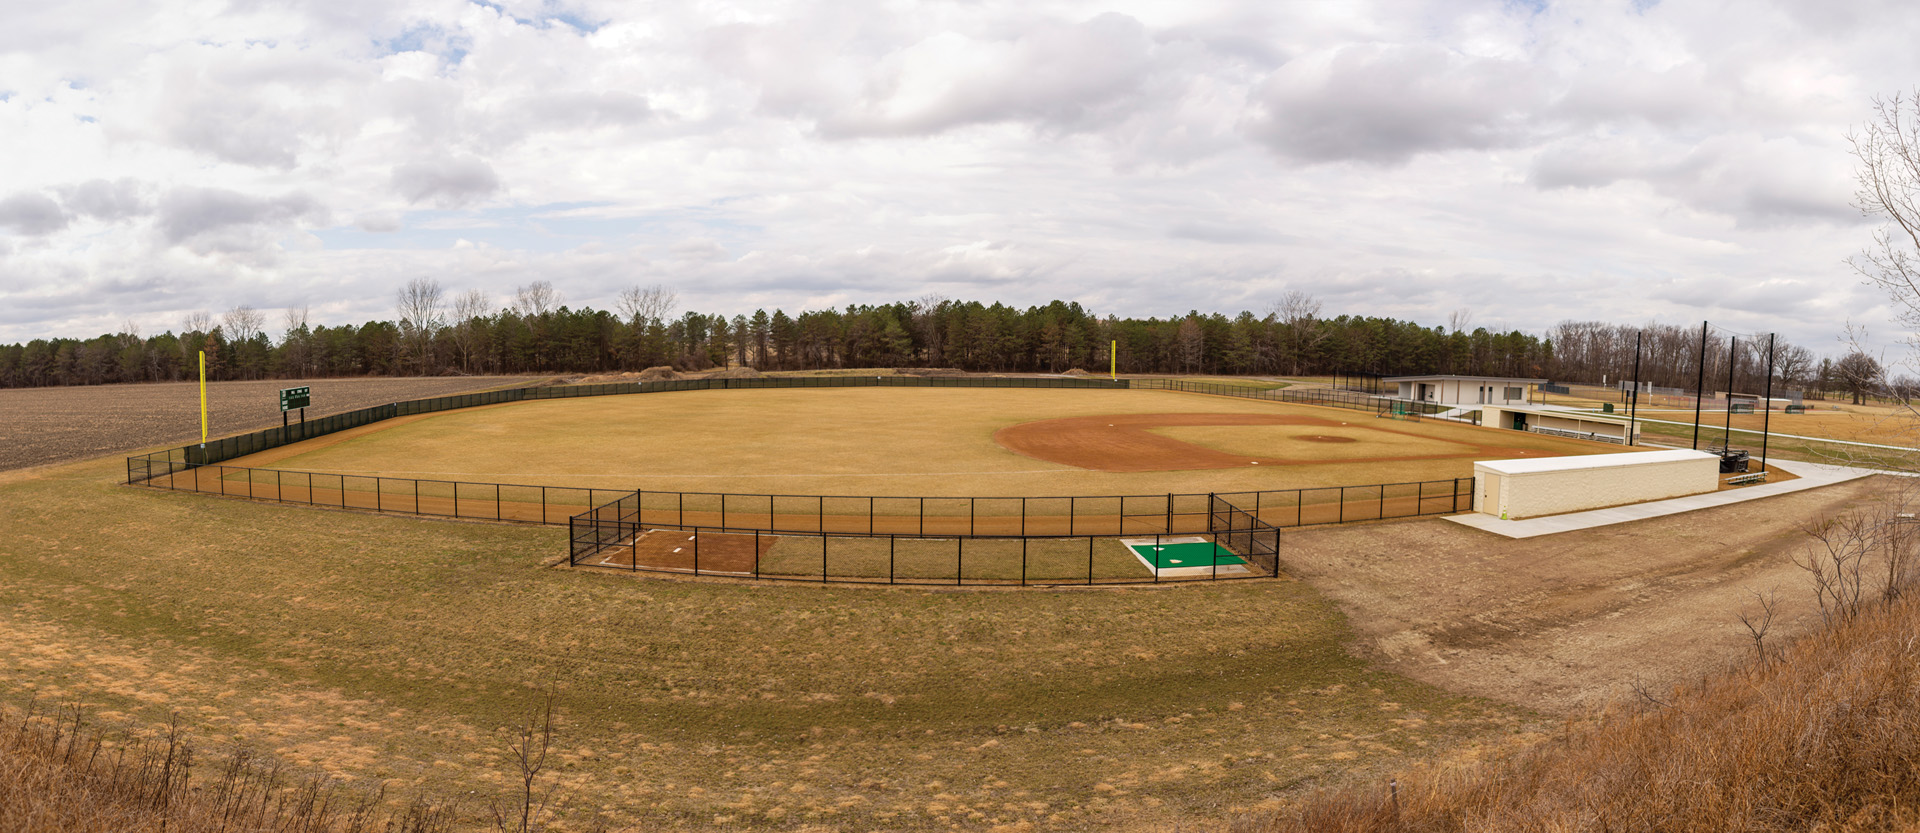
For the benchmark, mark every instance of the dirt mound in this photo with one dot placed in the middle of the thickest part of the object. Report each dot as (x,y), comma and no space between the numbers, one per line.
(1075,372)
(741,372)
(599,379)
(929,371)
(661,373)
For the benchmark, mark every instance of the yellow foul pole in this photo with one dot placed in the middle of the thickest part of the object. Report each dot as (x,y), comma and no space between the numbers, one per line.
(1113,360)
(203,397)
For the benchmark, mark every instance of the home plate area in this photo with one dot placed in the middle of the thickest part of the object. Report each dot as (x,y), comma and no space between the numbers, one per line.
(1192,556)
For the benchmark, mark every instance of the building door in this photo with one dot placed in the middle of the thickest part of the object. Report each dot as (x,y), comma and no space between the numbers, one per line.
(1519,422)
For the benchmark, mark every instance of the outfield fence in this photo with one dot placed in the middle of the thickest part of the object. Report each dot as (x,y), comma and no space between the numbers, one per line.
(841,515)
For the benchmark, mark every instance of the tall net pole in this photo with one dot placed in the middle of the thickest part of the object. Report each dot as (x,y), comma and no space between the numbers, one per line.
(1633,405)
(1767,419)
(1733,358)
(1699,387)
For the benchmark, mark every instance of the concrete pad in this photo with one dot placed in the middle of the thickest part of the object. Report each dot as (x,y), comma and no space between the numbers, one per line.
(1811,476)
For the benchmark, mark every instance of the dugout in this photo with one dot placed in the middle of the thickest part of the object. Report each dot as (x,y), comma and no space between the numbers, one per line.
(1516,489)
(1465,390)
(1559,423)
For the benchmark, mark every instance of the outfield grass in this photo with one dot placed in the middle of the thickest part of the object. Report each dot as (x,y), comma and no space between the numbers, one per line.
(375,647)
(872,441)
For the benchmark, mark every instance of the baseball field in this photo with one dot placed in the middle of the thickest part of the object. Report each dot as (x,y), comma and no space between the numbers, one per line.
(914,442)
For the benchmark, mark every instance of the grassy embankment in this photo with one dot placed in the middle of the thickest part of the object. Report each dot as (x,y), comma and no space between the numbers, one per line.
(394,651)
(1824,735)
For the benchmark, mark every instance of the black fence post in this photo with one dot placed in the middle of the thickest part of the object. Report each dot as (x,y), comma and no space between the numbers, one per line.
(696,551)
(1089,559)
(756,554)
(890,559)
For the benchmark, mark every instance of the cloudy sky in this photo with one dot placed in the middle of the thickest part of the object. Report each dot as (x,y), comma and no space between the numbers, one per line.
(1530,163)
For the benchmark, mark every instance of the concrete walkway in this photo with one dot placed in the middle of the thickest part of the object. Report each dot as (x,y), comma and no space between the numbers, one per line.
(1811,476)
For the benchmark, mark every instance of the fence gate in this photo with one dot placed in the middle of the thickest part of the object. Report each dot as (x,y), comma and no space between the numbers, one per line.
(1255,541)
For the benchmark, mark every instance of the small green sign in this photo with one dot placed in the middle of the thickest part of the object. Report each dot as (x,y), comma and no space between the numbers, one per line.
(292,398)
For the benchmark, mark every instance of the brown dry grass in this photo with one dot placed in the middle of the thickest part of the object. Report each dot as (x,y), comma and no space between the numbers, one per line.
(58,774)
(1823,734)
(389,650)
(1826,736)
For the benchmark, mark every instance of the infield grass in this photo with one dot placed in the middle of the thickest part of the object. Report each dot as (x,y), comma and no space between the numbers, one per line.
(397,650)
(875,441)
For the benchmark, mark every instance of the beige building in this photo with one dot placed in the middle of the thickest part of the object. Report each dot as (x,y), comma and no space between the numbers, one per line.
(1516,489)
(1597,427)
(1465,390)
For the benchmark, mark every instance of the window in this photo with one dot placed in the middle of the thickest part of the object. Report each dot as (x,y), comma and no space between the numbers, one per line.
(1516,393)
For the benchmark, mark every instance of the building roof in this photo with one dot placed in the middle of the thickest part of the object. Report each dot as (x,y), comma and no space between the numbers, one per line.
(1592,461)
(1443,377)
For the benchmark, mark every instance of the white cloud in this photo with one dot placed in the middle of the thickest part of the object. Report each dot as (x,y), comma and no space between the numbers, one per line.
(1398,157)
(445,182)
(31,213)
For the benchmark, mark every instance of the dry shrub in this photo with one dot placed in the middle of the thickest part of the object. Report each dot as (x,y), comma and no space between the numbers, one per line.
(659,374)
(1825,737)
(57,774)
(929,371)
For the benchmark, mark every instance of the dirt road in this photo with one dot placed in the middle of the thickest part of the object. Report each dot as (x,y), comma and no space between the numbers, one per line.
(1565,622)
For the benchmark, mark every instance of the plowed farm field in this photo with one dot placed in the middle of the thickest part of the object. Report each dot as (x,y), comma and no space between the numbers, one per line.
(50,425)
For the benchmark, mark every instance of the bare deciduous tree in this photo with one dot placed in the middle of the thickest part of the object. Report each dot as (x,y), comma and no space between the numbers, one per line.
(242,323)
(1887,149)
(296,319)
(528,751)
(535,299)
(468,307)
(644,305)
(1859,375)
(420,302)
(198,321)
(1300,313)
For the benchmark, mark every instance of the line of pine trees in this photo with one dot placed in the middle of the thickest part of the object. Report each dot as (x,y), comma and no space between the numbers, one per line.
(534,334)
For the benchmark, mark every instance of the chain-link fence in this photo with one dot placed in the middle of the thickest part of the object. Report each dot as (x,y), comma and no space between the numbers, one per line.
(1230,544)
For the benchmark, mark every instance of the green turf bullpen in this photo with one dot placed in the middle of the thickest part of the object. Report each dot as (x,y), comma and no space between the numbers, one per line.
(1176,557)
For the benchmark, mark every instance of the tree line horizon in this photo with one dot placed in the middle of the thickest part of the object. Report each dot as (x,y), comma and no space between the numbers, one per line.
(534,333)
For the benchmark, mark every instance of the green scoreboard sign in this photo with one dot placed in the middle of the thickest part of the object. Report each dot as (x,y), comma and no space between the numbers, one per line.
(292,398)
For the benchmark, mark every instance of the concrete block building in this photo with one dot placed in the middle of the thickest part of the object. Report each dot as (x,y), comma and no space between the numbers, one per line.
(1466,390)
